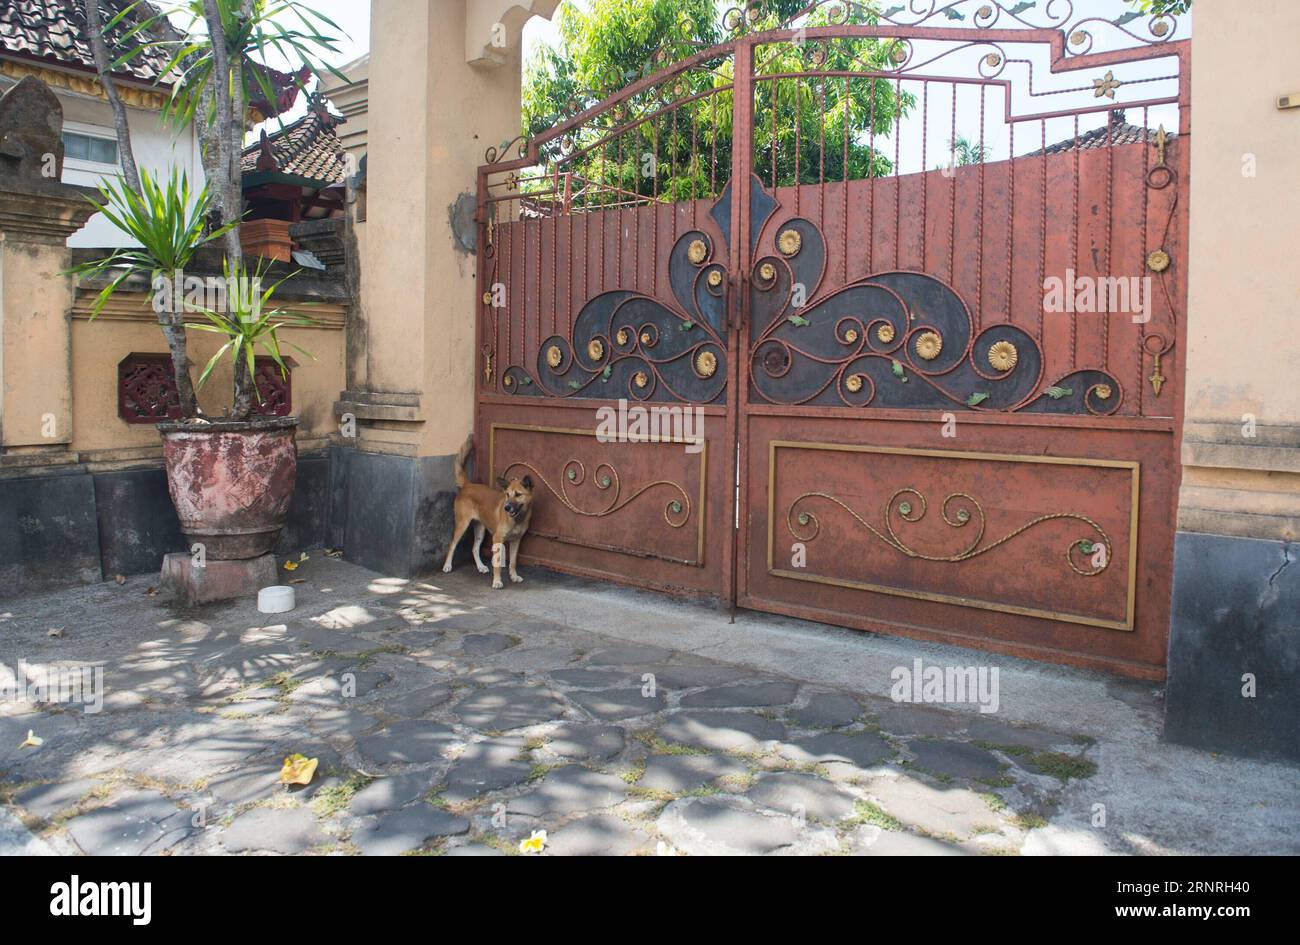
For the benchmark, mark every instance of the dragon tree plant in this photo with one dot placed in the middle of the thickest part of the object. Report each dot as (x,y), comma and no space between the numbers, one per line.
(211,72)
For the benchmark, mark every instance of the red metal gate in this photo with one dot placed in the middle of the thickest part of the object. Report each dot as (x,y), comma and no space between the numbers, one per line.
(918,284)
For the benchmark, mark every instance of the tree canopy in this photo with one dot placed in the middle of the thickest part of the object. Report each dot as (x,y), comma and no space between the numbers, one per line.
(676,141)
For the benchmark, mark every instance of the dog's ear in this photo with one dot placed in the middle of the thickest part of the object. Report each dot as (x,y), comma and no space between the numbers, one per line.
(501,483)
(527,483)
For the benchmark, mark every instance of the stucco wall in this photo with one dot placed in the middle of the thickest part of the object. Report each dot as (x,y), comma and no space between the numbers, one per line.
(99,435)
(1241,443)
(1244,290)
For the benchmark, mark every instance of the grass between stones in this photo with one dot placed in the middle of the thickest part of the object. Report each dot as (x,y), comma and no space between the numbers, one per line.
(865,812)
(1061,766)
(336,797)
(658,746)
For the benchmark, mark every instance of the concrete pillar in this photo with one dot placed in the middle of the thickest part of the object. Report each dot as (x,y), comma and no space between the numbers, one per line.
(432,113)
(1236,608)
(47,512)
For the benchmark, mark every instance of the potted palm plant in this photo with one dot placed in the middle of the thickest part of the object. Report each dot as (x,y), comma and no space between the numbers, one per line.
(231,476)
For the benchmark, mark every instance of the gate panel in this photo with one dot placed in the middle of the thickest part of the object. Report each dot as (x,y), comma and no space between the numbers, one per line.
(605,335)
(935,444)
(900,368)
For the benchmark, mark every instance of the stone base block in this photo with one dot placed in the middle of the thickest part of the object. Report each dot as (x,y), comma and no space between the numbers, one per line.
(1234,646)
(218,580)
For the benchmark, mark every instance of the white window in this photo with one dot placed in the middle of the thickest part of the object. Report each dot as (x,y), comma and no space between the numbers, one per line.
(88,149)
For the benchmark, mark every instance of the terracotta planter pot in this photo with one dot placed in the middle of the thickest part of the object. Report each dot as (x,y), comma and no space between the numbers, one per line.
(231,482)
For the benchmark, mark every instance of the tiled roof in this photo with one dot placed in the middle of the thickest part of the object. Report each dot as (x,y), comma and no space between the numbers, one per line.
(308,148)
(1120,132)
(56,31)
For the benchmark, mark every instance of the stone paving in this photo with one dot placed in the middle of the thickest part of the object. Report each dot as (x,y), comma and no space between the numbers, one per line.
(456,728)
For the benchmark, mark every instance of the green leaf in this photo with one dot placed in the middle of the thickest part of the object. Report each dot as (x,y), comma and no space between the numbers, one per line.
(1087,547)
(891,12)
(977,398)
(952,14)
(1127,18)
(897,367)
(798,321)
(1056,393)
(686,325)
(604,375)
(1021,8)
(575,385)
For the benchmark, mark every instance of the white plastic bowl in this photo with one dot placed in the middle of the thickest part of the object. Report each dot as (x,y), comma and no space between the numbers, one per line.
(277,599)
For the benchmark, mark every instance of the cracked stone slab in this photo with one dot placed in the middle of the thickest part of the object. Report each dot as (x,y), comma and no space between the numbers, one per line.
(17,840)
(287,831)
(631,654)
(495,676)
(474,849)
(869,840)
(538,657)
(324,640)
(46,800)
(249,708)
(134,824)
(730,826)
(196,748)
(570,789)
(722,731)
(942,811)
(467,622)
(245,785)
(906,719)
(827,710)
(390,793)
(412,741)
(63,736)
(861,749)
(741,696)
(791,792)
(502,708)
(352,617)
(340,723)
(674,678)
(486,644)
(614,705)
(485,766)
(601,835)
(1000,733)
(415,703)
(579,741)
(955,759)
(680,774)
(414,638)
(407,829)
(590,678)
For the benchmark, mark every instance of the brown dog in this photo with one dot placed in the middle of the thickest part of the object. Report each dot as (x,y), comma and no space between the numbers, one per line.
(504,511)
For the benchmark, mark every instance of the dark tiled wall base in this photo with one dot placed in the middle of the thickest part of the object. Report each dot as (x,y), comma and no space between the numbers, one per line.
(73,527)
(1236,610)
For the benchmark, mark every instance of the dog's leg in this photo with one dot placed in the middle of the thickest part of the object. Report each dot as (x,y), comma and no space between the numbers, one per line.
(478,543)
(457,533)
(514,557)
(498,559)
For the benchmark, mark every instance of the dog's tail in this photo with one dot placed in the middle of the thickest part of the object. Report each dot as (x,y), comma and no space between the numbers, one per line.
(460,460)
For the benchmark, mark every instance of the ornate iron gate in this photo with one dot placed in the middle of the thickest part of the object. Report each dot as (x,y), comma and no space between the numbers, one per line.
(919,283)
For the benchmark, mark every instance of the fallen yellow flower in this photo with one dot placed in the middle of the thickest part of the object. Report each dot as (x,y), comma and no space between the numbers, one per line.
(291,565)
(32,740)
(534,844)
(298,769)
